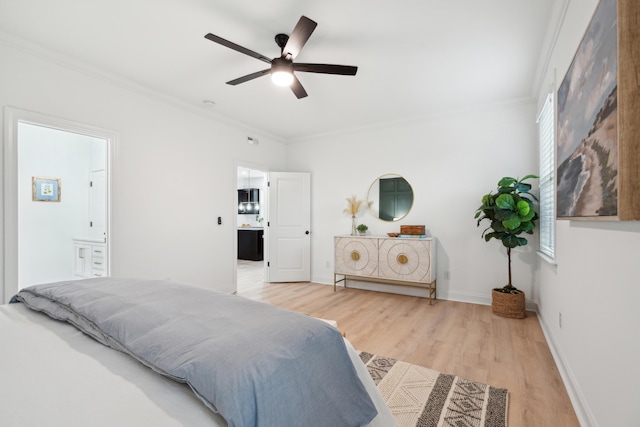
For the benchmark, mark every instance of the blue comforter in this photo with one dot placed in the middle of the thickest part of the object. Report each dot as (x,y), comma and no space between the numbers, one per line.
(255,364)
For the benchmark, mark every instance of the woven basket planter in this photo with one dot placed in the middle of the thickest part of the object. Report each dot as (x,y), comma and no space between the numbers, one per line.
(508,305)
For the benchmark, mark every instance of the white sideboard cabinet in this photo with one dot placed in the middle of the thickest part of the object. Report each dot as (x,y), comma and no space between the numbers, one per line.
(392,260)
(89,258)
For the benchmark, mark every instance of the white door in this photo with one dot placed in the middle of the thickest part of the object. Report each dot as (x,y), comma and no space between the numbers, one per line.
(97,205)
(289,221)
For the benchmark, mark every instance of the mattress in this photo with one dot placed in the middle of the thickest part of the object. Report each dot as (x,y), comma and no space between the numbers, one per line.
(54,375)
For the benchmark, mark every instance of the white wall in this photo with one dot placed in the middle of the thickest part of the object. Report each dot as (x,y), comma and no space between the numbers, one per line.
(594,285)
(173,174)
(46,228)
(451,161)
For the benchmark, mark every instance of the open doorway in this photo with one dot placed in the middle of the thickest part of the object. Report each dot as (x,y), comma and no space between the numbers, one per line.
(57,200)
(49,227)
(251,185)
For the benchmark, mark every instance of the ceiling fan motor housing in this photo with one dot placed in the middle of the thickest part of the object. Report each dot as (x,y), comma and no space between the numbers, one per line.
(282,65)
(281,41)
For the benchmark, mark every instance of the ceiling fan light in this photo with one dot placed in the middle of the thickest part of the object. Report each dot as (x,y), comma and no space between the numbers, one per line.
(282,78)
(281,72)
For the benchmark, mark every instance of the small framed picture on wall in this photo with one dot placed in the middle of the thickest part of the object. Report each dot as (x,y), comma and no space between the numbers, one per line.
(46,189)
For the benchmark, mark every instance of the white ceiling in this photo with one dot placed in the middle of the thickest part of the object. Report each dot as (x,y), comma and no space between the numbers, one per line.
(415,58)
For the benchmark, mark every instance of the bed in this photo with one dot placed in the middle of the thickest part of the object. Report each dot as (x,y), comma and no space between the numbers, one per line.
(54,374)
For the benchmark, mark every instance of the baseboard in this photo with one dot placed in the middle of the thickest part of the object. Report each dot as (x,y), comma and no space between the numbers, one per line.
(468,297)
(323,280)
(584,414)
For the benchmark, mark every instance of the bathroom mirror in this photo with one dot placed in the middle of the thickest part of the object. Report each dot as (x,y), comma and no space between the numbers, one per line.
(390,197)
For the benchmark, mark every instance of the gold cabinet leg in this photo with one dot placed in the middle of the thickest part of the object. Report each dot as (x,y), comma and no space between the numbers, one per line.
(432,291)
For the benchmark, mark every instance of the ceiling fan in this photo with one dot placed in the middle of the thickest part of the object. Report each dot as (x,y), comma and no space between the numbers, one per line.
(282,68)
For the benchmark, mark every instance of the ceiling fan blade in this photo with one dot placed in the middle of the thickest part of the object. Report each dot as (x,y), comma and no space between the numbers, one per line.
(299,36)
(237,48)
(297,88)
(249,77)
(345,70)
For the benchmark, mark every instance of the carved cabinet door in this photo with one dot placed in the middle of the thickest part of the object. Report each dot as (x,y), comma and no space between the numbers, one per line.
(405,259)
(356,256)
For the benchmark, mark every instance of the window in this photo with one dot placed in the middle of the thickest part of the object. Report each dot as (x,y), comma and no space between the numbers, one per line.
(546,138)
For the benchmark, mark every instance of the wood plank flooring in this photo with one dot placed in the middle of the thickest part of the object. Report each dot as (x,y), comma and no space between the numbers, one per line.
(451,337)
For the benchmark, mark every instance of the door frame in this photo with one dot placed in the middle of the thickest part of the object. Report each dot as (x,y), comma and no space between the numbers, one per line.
(9,234)
(264,206)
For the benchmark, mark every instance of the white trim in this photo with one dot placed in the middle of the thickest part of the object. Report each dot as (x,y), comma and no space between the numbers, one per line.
(547,258)
(481,299)
(264,204)
(546,172)
(10,198)
(26,47)
(441,294)
(583,413)
(468,297)
(421,118)
(549,46)
(13,116)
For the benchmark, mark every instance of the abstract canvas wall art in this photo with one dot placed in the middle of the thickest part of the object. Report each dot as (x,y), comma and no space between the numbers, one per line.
(587,140)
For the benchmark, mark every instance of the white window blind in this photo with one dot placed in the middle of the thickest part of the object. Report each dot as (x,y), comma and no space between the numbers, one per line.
(546,135)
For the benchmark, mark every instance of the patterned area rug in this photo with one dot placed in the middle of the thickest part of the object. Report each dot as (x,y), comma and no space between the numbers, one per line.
(421,397)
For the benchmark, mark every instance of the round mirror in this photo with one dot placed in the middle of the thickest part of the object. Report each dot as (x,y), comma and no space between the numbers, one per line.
(390,197)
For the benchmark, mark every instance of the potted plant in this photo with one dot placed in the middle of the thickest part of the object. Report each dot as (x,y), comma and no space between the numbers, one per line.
(511,212)
(362,229)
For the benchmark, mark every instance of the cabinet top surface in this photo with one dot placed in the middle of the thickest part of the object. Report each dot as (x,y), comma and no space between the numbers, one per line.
(88,240)
(385,237)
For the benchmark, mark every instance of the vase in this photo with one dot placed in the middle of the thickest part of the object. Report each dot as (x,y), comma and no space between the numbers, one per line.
(354,230)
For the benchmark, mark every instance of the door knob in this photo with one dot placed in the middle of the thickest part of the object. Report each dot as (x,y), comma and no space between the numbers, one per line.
(306,232)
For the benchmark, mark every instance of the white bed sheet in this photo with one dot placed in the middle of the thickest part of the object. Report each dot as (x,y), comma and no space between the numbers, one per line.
(52,374)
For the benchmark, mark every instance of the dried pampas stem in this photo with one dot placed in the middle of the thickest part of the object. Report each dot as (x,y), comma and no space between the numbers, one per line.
(354,206)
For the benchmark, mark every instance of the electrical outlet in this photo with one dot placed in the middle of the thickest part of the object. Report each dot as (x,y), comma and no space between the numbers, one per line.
(328,264)
(560,320)
(447,275)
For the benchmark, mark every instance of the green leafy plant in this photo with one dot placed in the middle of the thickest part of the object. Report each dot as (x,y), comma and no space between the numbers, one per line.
(511,212)
(362,228)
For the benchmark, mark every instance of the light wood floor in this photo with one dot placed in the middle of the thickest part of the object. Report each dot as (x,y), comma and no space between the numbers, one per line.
(452,337)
